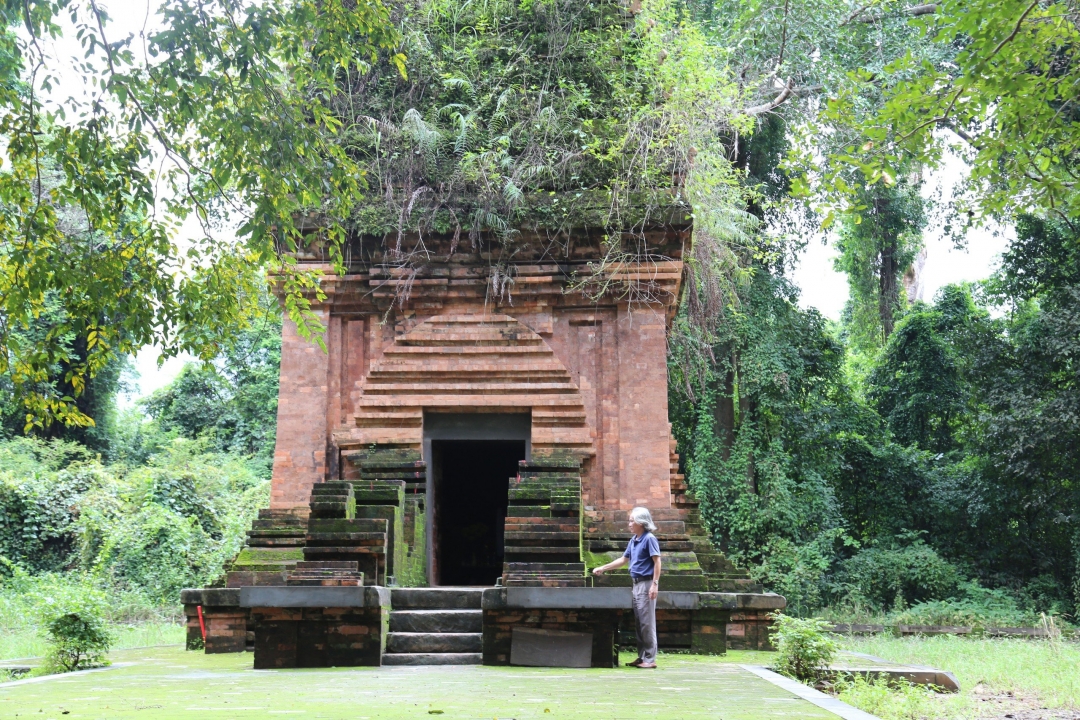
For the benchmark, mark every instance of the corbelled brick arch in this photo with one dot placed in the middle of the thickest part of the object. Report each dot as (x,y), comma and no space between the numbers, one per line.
(471,363)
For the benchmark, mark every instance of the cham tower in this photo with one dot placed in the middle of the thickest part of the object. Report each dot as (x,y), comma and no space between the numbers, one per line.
(484,413)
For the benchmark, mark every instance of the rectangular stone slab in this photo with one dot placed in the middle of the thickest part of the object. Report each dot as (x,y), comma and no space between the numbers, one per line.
(314,597)
(537,647)
(590,598)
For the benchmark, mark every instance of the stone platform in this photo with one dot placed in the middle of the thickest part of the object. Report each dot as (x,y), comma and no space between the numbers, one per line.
(165,683)
(321,626)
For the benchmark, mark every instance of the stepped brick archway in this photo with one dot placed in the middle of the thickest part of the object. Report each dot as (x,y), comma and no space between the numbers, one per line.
(471,363)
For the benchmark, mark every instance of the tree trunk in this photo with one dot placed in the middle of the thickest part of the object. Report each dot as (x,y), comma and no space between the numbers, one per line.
(888,274)
(724,413)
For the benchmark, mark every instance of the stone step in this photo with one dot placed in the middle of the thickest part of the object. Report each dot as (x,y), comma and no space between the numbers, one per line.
(436,621)
(435,598)
(423,643)
(433,659)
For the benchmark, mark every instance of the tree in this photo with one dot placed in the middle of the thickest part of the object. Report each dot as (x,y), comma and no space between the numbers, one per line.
(226,115)
(877,246)
(232,399)
(1006,102)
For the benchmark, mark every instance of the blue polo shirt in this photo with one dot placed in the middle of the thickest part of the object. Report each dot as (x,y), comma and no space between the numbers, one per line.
(641,551)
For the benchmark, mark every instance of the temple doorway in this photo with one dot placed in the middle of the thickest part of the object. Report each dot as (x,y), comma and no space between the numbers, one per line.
(471,489)
(471,458)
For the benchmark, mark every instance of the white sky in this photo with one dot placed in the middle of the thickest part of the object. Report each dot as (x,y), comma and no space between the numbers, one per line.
(827,290)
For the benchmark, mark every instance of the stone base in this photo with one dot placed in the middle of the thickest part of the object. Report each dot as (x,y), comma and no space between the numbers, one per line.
(300,627)
(225,621)
(499,625)
(705,623)
(348,626)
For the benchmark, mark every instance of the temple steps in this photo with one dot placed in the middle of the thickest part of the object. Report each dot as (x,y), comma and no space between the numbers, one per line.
(433,659)
(435,626)
(436,621)
(438,642)
(441,598)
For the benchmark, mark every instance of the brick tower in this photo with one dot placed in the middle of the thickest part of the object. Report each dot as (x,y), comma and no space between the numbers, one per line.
(485,412)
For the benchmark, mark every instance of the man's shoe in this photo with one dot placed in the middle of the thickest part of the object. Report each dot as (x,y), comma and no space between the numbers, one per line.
(646,666)
(635,663)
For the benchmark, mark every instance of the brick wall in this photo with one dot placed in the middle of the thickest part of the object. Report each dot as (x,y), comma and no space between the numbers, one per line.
(319,637)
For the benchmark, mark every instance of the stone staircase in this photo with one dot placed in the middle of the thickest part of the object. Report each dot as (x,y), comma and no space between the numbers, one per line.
(326,573)
(543,524)
(274,545)
(435,626)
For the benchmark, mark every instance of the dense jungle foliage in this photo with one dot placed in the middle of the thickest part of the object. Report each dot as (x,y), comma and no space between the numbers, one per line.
(159,502)
(914,458)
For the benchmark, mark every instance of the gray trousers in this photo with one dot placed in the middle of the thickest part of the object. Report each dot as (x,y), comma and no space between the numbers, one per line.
(645,612)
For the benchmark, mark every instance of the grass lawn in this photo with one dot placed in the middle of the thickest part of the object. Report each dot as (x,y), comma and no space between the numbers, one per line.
(998,678)
(172,683)
(18,643)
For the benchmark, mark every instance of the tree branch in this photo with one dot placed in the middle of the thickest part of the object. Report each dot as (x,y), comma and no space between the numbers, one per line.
(776,102)
(914,11)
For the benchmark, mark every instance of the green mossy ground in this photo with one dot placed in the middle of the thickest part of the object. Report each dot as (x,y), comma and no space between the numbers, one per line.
(171,683)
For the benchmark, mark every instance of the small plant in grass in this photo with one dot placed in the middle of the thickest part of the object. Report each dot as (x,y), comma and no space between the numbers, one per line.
(890,700)
(74,627)
(806,648)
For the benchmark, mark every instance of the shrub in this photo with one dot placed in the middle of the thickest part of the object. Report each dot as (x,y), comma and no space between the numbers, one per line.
(805,648)
(73,623)
(974,606)
(896,576)
(159,552)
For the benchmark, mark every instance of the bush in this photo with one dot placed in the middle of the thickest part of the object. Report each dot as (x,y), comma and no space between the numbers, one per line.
(974,606)
(160,552)
(806,650)
(897,576)
(73,623)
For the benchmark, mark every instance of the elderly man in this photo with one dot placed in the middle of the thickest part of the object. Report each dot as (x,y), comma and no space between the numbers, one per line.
(643,556)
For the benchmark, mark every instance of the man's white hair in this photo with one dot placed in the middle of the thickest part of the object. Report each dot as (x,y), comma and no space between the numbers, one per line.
(643,517)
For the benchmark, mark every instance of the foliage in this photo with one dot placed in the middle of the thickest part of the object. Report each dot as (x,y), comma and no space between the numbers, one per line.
(226,114)
(552,115)
(876,247)
(885,698)
(804,649)
(230,401)
(945,462)
(973,606)
(37,527)
(896,575)
(758,438)
(72,620)
(1006,96)
(172,523)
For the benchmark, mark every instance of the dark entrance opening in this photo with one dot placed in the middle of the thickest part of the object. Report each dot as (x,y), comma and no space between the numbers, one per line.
(472,480)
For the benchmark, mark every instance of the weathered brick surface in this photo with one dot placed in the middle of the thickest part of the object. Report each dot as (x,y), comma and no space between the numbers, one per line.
(319,637)
(591,370)
(302,433)
(749,630)
(226,628)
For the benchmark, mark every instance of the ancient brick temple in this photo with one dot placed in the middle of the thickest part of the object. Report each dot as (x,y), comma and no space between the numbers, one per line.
(482,416)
